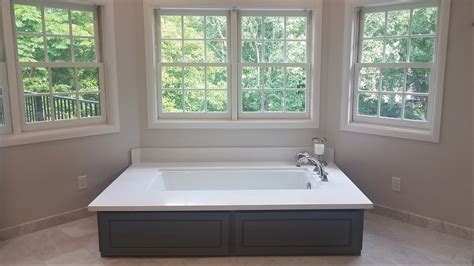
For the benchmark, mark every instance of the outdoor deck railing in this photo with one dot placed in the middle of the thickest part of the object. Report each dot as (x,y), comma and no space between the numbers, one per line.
(38,108)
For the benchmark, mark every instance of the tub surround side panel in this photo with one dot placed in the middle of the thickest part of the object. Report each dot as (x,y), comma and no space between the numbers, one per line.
(263,233)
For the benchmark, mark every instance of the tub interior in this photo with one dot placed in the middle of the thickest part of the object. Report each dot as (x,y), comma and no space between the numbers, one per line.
(235,179)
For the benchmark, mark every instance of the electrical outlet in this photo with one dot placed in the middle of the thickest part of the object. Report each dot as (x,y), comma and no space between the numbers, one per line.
(396,183)
(82,182)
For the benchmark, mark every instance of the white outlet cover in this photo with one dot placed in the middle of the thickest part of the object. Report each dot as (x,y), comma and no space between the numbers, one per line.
(396,183)
(82,182)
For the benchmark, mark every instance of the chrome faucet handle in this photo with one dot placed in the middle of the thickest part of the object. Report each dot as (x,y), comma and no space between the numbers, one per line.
(301,155)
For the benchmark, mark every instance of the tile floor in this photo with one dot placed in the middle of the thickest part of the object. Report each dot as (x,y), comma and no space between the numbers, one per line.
(386,241)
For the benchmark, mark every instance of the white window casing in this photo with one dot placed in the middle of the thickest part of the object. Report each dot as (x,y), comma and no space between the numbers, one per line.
(350,119)
(234,118)
(108,122)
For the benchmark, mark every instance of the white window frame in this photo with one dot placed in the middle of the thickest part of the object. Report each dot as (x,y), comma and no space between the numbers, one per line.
(191,115)
(425,131)
(23,133)
(54,123)
(7,127)
(307,66)
(234,121)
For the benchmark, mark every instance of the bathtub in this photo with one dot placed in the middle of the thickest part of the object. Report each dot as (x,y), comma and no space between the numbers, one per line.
(229,209)
(234,179)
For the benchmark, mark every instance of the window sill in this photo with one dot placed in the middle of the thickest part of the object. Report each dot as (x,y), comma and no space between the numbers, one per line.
(391,131)
(56,134)
(232,124)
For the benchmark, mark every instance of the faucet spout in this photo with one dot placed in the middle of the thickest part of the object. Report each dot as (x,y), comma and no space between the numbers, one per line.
(306,159)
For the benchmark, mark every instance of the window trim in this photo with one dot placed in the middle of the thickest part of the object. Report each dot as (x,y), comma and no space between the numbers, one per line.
(111,124)
(6,128)
(431,131)
(308,66)
(160,65)
(154,122)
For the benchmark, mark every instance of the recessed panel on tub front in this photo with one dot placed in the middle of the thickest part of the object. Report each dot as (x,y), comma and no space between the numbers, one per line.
(165,234)
(298,232)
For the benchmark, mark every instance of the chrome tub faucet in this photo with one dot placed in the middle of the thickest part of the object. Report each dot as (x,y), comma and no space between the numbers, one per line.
(305,158)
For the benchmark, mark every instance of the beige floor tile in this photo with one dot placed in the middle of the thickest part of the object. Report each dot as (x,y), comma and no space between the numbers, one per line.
(386,242)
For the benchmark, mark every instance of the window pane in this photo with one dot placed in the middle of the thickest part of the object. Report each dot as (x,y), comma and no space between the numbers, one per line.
(216,27)
(296,28)
(374,24)
(28,19)
(59,49)
(274,27)
(368,104)
(369,79)
(273,101)
(396,50)
(372,51)
(416,107)
(56,21)
(295,101)
(171,51)
(89,104)
(424,20)
(217,78)
(193,27)
(216,52)
(194,51)
(35,80)
(194,78)
(393,79)
(296,78)
(65,106)
(251,78)
(251,101)
(84,50)
(172,101)
(251,27)
(195,101)
(37,108)
(172,78)
(274,52)
(88,79)
(422,49)
(30,48)
(82,23)
(62,79)
(391,105)
(398,22)
(296,52)
(217,101)
(418,80)
(171,27)
(251,52)
(273,77)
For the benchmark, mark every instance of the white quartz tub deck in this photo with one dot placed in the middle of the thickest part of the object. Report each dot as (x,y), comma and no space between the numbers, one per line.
(142,187)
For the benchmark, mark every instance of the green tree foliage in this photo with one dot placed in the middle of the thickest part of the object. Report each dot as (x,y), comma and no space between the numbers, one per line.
(64,36)
(386,92)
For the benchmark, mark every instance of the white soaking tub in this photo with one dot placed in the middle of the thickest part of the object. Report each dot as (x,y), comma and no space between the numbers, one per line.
(235,179)
(229,209)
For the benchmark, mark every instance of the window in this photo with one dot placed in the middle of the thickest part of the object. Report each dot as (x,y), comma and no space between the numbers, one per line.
(234,66)
(194,64)
(395,66)
(59,62)
(274,64)
(59,73)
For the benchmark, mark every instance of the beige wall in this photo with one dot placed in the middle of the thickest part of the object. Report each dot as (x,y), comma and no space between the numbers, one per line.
(39,180)
(436,178)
